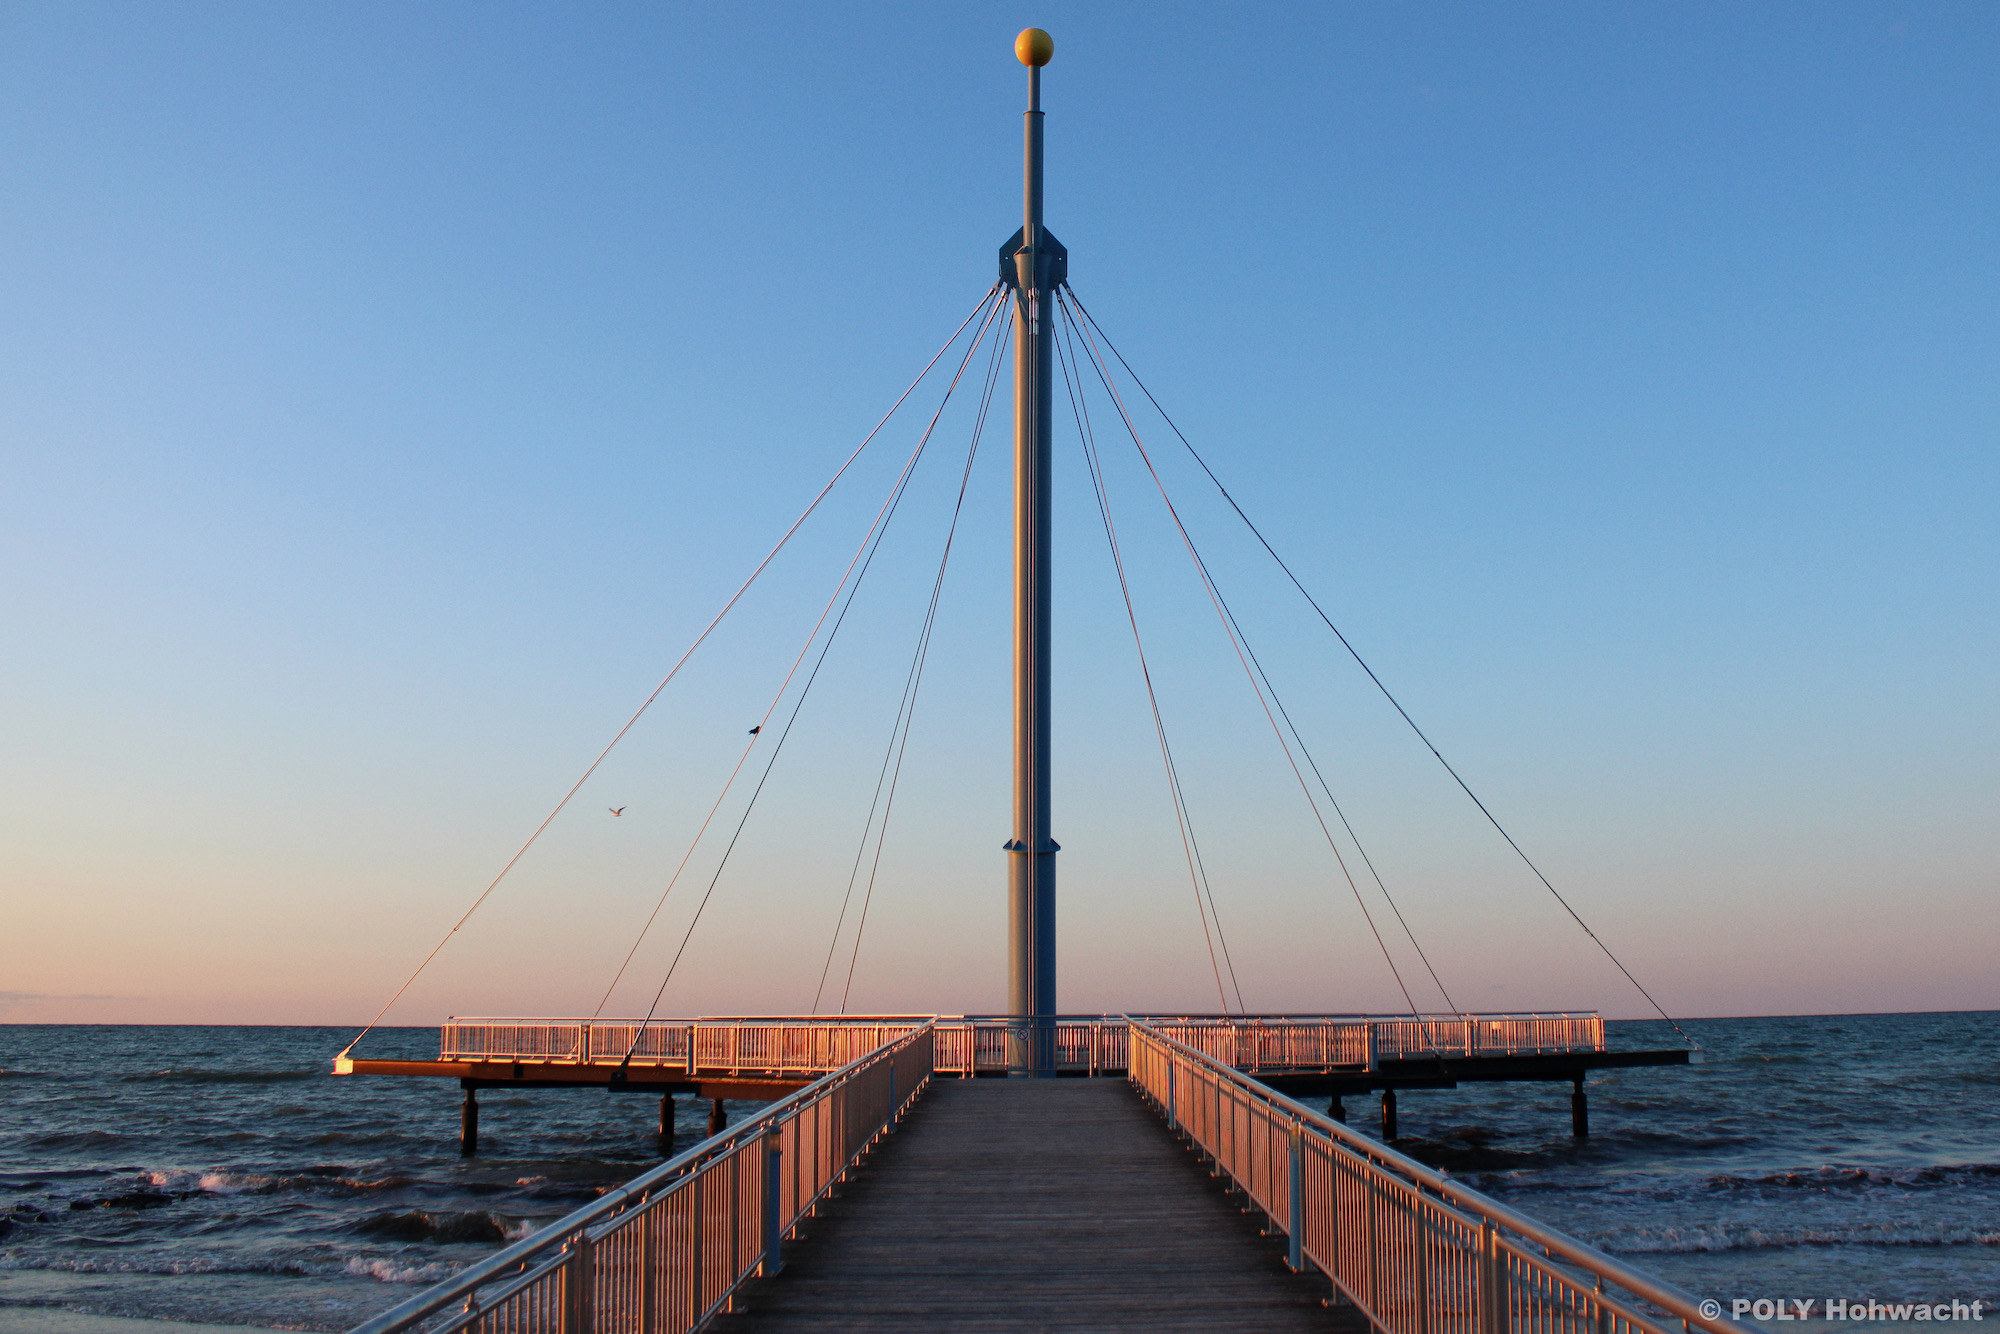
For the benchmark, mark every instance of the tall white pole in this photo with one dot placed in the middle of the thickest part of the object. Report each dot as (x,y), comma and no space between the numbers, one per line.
(1038,264)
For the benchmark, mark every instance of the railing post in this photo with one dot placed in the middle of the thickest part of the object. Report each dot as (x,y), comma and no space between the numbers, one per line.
(1493,1285)
(735,1224)
(1421,1217)
(1172,1124)
(1298,1207)
(576,1288)
(1489,1322)
(649,1268)
(1374,1237)
(697,1241)
(774,1203)
(1333,1218)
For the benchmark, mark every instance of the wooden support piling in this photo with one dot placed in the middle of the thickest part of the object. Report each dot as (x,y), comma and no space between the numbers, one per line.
(1388,1115)
(667,1122)
(468,1123)
(1336,1110)
(1579,1111)
(718,1117)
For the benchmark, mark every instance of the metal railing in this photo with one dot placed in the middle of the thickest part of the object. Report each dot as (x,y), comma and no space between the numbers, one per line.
(1486,1034)
(1415,1251)
(665,1252)
(975,1044)
(805,1046)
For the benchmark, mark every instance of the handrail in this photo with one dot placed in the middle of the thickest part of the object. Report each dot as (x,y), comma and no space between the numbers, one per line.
(1219,1132)
(838,1136)
(1302,1016)
(812,1044)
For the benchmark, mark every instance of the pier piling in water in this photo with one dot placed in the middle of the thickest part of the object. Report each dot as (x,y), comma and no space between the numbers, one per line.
(1336,1110)
(718,1117)
(1388,1115)
(468,1123)
(667,1121)
(1579,1111)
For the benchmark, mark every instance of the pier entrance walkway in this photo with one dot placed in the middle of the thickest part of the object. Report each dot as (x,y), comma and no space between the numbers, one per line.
(1034,1204)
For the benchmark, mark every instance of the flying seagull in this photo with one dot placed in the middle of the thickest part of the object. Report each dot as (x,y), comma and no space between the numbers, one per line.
(755,730)
(616,810)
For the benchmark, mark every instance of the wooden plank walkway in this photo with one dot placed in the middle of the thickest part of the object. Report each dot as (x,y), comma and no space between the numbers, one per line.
(1052,1204)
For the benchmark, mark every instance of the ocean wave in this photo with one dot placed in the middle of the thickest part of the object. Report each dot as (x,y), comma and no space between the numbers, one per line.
(396,1271)
(142,1198)
(1473,1149)
(1705,1237)
(224,1181)
(76,1139)
(1862,1178)
(218,1076)
(474,1226)
(212,1183)
(151,1263)
(47,1175)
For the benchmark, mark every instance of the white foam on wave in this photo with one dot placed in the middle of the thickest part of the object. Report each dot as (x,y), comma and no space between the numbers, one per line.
(150,1264)
(395,1271)
(215,1182)
(1723,1236)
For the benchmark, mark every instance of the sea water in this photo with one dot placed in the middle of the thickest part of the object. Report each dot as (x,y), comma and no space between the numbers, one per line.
(221,1174)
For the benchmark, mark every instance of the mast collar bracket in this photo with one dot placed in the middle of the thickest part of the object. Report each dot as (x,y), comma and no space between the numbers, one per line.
(1051,261)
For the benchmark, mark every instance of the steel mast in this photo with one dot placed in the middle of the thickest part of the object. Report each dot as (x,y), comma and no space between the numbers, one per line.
(1032,263)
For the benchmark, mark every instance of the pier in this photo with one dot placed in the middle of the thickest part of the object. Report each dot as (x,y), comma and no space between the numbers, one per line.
(1182,1194)
(760,1058)
(1035,1170)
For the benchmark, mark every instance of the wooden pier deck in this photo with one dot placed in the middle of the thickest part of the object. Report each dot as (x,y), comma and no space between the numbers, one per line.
(1043,1204)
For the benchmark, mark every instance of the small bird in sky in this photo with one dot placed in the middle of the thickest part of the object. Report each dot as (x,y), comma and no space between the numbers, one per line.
(616,810)
(755,730)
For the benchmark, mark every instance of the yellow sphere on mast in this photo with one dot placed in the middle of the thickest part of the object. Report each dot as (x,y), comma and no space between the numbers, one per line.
(1034,47)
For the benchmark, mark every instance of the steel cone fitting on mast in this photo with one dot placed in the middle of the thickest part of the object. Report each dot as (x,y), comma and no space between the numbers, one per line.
(1032,264)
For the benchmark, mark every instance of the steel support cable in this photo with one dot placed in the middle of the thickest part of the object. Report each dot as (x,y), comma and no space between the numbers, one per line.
(675,878)
(1184,821)
(1362,663)
(1196,879)
(870,544)
(1326,788)
(1334,802)
(906,703)
(1080,406)
(1229,631)
(674,671)
(887,505)
(923,658)
(1319,776)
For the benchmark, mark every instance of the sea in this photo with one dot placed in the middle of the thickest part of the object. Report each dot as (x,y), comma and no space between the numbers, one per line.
(223,1176)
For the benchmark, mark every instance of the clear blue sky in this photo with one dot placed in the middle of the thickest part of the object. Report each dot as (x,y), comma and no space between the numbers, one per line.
(389,393)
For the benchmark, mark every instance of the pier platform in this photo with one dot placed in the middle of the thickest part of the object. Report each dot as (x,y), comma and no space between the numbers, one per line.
(762,1058)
